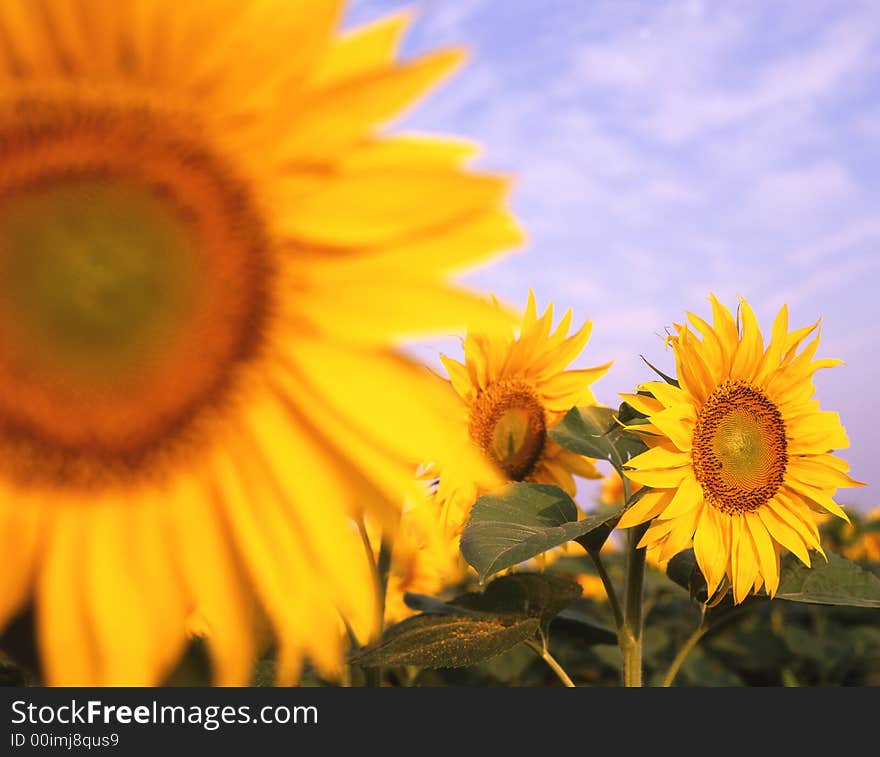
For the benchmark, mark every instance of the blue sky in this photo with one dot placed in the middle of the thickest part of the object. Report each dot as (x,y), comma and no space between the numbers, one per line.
(665,150)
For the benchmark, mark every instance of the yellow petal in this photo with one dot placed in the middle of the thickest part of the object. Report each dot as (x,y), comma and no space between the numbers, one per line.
(119,609)
(814,471)
(335,118)
(378,207)
(784,534)
(563,391)
(649,506)
(68,654)
(711,350)
(660,479)
(365,50)
(820,497)
(213,580)
(751,345)
(404,408)
(709,548)
(773,355)
(744,565)
(445,250)
(691,371)
(328,536)
(656,534)
(398,309)
(688,496)
(767,557)
(790,509)
(408,151)
(669,395)
(681,534)
(725,328)
(21,534)
(659,457)
(643,404)
(677,424)
(458,377)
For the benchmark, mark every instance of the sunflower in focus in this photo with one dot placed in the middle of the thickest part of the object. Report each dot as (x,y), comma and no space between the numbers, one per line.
(740,459)
(515,389)
(207,251)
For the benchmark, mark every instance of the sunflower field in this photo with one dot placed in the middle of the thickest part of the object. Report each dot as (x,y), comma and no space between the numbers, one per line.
(223,464)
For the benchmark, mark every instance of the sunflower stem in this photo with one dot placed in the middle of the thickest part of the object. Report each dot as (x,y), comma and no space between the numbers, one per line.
(544,653)
(381,568)
(685,650)
(631,631)
(610,591)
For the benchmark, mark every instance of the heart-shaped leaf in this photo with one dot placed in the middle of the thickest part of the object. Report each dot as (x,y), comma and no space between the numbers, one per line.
(595,432)
(519,522)
(445,641)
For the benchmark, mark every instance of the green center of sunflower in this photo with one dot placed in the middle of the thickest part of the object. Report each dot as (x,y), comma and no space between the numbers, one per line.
(95,273)
(135,280)
(507,421)
(739,448)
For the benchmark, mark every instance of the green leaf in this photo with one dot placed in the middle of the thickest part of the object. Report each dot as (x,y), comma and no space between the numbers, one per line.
(683,570)
(595,432)
(576,622)
(445,641)
(519,522)
(534,595)
(667,379)
(837,582)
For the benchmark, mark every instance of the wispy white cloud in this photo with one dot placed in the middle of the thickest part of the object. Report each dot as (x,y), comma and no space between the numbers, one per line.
(665,150)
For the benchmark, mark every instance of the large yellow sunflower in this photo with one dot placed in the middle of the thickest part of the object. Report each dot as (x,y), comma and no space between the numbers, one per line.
(206,252)
(740,457)
(516,389)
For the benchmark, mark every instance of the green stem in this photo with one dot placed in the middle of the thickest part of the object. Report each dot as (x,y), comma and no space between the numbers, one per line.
(610,591)
(545,655)
(381,566)
(383,570)
(631,631)
(691,642)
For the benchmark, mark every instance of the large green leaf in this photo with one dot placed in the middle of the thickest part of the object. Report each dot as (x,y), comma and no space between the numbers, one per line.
(547,597)
(534,595)
(519,522)
(595,432)
(577,622)
(837,582)
(445,641)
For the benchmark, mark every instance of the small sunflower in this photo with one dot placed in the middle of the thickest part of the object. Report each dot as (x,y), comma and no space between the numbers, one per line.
(424,561)
(516,389)
(207,253)
(740,459)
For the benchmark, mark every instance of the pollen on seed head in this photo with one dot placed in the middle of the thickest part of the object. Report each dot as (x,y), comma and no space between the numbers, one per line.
(508,422)
(134,270)
(739,448)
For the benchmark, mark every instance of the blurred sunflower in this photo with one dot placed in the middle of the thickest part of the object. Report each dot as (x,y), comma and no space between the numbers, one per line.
(206,251)
(861,541)
(424,561)
(740,457)
(611,492)
(515,389)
